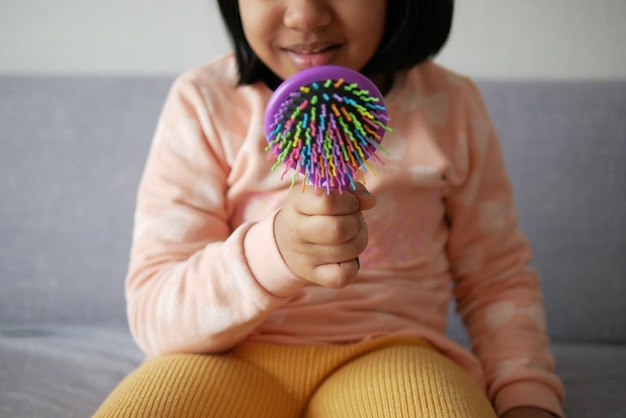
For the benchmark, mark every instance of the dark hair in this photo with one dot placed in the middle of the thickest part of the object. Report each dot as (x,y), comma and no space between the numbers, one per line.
(415,31)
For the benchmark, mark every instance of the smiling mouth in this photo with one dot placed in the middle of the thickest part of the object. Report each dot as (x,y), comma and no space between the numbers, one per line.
(305,56)
(311,49)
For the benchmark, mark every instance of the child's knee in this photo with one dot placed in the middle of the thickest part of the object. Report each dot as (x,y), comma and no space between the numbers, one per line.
(400,381)
(189,386)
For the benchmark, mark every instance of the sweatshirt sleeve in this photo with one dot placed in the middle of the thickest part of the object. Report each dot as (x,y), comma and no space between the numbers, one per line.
(497,293)
(196,284)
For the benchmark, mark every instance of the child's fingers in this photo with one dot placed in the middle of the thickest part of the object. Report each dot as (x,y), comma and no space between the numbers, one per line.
(335,276)
(336,202)
(332,204)
(320,254)
(332,230)
(321,235)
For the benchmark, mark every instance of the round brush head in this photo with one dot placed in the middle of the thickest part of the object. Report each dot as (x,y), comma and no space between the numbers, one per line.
(326,122)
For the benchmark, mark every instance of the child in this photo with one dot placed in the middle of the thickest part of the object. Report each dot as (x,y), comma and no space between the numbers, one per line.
(247,296)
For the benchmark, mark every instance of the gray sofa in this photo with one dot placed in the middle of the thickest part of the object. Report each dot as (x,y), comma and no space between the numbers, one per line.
(71,154)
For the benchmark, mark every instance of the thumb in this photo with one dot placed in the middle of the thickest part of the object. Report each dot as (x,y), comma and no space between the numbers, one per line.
(366,199)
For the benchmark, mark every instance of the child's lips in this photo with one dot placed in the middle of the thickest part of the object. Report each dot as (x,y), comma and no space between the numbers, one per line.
(306,58)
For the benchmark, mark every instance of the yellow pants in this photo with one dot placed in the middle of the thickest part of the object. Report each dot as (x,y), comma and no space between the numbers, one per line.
(390,377)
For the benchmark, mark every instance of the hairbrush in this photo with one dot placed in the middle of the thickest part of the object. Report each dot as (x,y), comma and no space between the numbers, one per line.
(326,123)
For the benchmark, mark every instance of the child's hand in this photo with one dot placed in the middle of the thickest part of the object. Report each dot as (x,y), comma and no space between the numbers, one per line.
(319,236)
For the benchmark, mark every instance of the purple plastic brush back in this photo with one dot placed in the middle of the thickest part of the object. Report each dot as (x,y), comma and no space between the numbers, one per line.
(326,122)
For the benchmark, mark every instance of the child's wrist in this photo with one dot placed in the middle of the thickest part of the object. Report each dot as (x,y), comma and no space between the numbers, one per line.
(265,261)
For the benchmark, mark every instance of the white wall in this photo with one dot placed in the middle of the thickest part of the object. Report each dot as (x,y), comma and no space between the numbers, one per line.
(514,39)
(108,36)
(539,39)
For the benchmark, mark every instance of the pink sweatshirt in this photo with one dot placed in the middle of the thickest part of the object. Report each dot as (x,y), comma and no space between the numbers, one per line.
(206,274)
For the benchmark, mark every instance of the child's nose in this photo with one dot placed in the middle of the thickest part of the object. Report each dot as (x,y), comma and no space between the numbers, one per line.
(307,15)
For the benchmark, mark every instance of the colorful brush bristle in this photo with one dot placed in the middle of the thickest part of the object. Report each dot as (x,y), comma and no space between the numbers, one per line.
(326,122)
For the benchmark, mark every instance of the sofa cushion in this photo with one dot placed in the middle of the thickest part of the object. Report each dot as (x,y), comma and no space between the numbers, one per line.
(594,377)
(72,153)
(61,372)
(565,151)
(67,372)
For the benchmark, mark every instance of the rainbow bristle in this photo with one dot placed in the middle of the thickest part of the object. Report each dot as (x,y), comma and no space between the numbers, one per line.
(327,129)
